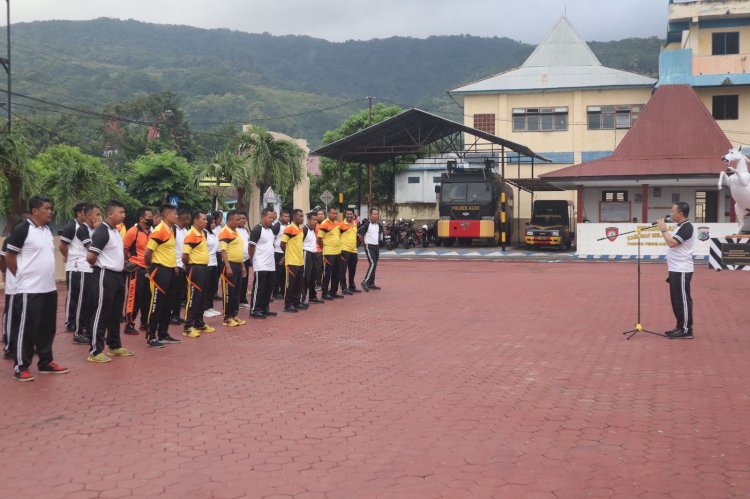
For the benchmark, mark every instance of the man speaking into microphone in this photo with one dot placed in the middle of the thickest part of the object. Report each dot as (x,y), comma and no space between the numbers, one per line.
(680,244)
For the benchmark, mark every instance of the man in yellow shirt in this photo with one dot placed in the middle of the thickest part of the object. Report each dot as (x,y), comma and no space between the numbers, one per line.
(161,260)
(195,260)
(231,245)
(329,236)
(349,252)
(292,241)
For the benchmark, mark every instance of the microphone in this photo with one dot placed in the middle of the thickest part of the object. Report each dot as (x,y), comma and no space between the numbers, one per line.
(667,219)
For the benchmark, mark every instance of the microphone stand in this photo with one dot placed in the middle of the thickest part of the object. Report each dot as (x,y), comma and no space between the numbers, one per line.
(638,326)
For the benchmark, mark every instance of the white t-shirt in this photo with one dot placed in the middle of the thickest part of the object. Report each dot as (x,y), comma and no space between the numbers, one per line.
(10,279)
(680,258)
(277,237)
(83,237)
(262,238)
(372,236)
(245,235)
(106,242)
(213,247)
(179,243)
(35,248)
(75,252)
(311,242)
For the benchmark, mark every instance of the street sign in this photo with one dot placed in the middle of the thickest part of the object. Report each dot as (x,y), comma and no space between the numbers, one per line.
(173,200)
(326,197)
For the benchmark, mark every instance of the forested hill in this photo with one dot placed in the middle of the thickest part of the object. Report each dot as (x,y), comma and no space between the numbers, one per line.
(227,76)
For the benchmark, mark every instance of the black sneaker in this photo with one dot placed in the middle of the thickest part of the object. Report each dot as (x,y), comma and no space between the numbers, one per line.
(257,314)
(671,331)
(327,297)
(302,306)
(9,356)
(268,313)
(277,296)
(365,287)
(291,310)
(131,330)
(169,339)
(372,286)
(355,290)
(154,343)
(82,340)
(70,328)
(348,292)
(316,300)
(680,335)
(176,321)
(337,296)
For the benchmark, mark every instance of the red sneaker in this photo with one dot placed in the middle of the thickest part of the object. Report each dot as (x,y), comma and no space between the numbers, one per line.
(23,376)
(53,368)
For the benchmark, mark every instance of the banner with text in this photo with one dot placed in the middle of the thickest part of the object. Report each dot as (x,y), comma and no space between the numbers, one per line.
(608,238)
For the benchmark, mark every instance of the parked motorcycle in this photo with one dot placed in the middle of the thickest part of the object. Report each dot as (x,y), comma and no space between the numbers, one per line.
(395,235)
(410,235)
(428,234)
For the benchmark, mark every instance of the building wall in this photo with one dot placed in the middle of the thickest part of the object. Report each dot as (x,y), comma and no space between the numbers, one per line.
(422,192)
(565,148)
(658,207)
(578,139)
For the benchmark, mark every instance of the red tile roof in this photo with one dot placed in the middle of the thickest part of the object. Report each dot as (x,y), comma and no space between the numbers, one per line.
(674,136)
(313,166)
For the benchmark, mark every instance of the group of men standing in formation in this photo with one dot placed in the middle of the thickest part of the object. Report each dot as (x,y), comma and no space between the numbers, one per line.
(115,274)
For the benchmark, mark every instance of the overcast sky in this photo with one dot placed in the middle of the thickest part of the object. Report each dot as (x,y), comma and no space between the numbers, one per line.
(339,20)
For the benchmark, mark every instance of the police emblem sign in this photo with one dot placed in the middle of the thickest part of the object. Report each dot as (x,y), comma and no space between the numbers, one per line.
(612,233)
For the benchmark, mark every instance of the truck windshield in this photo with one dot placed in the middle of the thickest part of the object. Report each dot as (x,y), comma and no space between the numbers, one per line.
(546,219)
(479,193)
(453,193)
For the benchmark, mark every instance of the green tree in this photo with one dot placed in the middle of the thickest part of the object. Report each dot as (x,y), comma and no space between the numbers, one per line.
(18,179)
(272,162)
(154,177)
(355,175)
(70,176)
(160,125)
(226,167)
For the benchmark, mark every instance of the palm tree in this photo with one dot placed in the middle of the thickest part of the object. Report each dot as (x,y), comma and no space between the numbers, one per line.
(271,161)
(19,174)
(255,158)
(227,168)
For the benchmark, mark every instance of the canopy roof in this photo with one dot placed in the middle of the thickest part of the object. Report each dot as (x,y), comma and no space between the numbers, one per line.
(408,133)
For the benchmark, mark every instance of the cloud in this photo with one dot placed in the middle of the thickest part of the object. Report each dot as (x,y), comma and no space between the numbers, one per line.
(339,20)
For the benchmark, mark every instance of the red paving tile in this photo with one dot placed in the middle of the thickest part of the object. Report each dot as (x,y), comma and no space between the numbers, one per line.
(459,379)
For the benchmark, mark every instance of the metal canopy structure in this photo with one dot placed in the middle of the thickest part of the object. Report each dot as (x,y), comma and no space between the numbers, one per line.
(415,132)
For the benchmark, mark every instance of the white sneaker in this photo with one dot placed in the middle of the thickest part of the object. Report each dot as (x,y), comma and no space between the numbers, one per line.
(215,313)
(244,305)
(211,313)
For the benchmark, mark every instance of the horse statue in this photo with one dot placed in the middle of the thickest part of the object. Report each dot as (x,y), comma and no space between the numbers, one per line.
(739,183)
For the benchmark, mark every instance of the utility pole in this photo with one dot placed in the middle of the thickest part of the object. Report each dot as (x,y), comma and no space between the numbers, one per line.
(6,64)
(369,167)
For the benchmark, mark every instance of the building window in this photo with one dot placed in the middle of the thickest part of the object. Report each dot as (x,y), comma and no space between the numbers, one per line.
(435,180)
(609,196)
(413,180)
(726,107)
(485,123)
(540,119)
(611,117)
(725,43)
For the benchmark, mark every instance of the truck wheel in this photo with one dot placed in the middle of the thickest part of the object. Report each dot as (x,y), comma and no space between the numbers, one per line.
(449,243)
